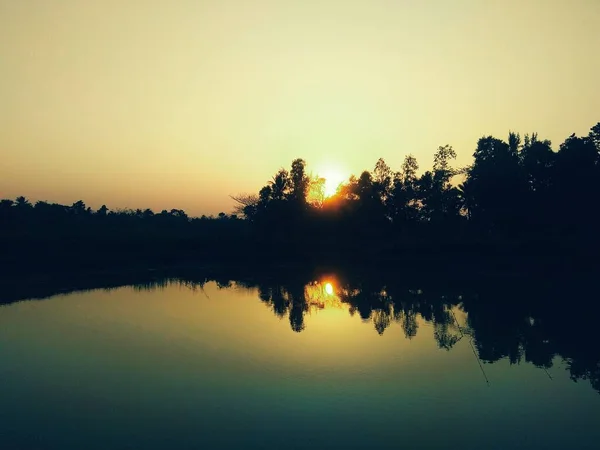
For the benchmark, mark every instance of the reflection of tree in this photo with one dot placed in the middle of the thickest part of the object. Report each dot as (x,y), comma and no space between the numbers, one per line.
(583,369)
(294,299)
(297,317)
(298,306)
(443,336)
(521,321)
(519,326)
(536,325)
(498,335)
(381,320)
(279,301)
(275,297)
(409,323)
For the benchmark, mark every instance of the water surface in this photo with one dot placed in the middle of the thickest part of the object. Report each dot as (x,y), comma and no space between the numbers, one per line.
(324,364)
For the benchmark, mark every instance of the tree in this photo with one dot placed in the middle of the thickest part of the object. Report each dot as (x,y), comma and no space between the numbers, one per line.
(349,190)
(440,201)
(316,193)
(441,161)
(514,143)
(537,159)
(246,204)
(6,205)
(408,173)
(299,182)
(594,135)
(6,210)
(179,214)
(279,185)
(79,208)
(382,180)
(264,195)
(577,183)
(496,185)
(22,203)
(102,211)
(403,203)
(22,208)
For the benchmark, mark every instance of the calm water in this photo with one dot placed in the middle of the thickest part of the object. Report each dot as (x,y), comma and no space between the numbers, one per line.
(273,366)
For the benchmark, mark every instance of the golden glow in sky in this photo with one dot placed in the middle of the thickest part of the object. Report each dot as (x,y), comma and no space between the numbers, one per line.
(333,178)
(161,104)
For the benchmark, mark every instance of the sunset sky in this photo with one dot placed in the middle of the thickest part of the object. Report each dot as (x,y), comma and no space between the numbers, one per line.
(179,103)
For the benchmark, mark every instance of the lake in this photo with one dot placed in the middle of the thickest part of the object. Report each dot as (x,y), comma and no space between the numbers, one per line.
(327,362)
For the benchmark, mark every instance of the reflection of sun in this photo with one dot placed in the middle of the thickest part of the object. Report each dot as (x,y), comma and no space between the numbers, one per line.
(322,294)
(333,179)
(329,288)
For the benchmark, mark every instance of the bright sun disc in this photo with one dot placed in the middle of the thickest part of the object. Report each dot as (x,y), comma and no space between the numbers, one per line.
(329,288)
(333,179)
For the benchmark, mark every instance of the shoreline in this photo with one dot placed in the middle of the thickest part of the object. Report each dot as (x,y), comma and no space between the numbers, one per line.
(443,269)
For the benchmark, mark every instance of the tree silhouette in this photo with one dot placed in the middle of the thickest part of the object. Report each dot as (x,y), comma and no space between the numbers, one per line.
(496,164)
(299,183)
(520,203)
(439,200)
(316,192)
(22,203)
(404,203)
(279,185)
(594,135)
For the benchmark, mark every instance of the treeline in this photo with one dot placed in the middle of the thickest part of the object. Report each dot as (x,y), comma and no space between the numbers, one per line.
(519,197)
(48,236)
(21,210)
(519,190)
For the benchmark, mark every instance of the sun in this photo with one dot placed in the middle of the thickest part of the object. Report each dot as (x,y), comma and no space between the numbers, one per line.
(333,179)
(329,288)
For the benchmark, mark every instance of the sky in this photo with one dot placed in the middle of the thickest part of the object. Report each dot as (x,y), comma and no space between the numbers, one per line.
(179,103)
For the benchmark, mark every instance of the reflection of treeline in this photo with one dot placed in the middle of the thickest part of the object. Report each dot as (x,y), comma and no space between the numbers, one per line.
(376,304)
(517,197)
(522,319)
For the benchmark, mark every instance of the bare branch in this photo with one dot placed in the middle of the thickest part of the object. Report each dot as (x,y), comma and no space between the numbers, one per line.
(243,200)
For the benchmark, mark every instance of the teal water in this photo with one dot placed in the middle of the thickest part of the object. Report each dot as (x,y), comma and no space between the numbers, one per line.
(208,367)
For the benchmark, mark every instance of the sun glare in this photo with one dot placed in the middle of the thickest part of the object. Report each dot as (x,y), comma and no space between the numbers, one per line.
(333,179)
(329,288)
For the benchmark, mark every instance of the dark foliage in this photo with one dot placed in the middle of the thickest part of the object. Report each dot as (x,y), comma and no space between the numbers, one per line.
(519,201)
(519,198)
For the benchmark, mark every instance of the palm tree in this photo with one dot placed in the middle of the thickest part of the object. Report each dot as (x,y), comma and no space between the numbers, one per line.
(22,203)
(279,184)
